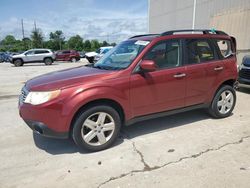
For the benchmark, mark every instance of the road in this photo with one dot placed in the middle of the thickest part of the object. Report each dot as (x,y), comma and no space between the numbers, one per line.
(185,150)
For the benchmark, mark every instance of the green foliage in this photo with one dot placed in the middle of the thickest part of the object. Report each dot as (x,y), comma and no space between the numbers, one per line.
(95,45)
(87,46)
(75,43)
(56,42)
(37,38)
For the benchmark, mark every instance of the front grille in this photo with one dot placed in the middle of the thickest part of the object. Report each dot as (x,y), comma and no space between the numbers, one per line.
(244,73)
(24,93)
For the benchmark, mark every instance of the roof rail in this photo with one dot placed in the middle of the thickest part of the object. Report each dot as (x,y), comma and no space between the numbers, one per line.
(143,35)
(204,31)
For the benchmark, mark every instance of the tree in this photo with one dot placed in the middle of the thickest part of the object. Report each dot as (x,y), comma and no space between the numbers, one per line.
(87,46)
(37,38)
(9,40)
(95,45)
(76,43)
(105,43)
(27,43)
(58,39)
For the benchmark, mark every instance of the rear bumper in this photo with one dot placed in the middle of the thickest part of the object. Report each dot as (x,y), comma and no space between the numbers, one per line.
(42,129)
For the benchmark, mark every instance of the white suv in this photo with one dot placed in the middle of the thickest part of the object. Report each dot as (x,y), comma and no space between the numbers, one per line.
(34,55)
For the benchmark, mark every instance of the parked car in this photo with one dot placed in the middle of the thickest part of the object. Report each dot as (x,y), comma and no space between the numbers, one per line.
(244,71)
(82,54)
(93,57)
(67,55)
(1,57)
(5,57)
(45,56)
(144,77)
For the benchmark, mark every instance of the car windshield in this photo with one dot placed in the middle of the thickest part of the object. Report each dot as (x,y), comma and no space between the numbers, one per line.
(121,56)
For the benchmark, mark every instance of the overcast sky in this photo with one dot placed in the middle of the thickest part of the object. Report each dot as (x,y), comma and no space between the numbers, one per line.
(112,20)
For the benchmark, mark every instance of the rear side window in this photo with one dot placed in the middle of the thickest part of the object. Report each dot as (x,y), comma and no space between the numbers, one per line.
(225,48)
(66,52)
(41,51)
(199,51)
(165,54)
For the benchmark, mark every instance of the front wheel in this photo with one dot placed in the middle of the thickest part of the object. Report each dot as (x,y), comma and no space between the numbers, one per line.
(96,128)
(18,62)
(223,102)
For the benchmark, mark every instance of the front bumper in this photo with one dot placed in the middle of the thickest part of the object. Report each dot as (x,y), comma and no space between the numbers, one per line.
(42,129)
(46,119)
(244,81)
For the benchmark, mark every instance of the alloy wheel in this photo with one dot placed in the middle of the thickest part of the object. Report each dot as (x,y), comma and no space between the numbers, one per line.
(98,128)
(225,102)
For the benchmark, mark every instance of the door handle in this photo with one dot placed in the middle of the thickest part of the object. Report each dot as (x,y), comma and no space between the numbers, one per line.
(218,68)
(180,75)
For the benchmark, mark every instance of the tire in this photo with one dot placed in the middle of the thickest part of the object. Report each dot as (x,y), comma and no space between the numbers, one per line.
(73,60)
(18,62)
(223,102)
(48,61)
(90,59)
(88,130)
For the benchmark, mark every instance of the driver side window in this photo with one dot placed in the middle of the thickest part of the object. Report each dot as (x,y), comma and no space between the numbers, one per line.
(29,53)
(165,54)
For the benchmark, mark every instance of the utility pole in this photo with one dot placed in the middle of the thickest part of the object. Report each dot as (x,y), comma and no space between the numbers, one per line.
(22,28)
(194,14)
(35,24)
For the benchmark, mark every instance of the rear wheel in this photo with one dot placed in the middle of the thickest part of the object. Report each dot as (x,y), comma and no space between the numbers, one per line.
(73,59)
(223,102)
(96,128)
(48,61)
(18,62)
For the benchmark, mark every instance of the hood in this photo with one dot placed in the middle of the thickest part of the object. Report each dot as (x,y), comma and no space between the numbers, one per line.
(91,54)
(18,55)
(66,78)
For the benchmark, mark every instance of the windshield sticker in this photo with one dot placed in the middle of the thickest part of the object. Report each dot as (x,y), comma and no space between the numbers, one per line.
(142,43)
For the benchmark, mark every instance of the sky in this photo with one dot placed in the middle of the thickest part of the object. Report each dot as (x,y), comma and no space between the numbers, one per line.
(111,20)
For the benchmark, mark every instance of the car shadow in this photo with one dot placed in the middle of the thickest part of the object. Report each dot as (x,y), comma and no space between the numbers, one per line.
(244,89)
(62,146)
(36,65)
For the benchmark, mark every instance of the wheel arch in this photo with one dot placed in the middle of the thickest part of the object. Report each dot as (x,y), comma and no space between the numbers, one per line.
(230,82)
(104,101)
(47,58)
(14,59)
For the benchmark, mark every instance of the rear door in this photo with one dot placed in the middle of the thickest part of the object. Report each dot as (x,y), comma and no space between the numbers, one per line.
(66,55)
(202,68)
(40,54)
(163,89)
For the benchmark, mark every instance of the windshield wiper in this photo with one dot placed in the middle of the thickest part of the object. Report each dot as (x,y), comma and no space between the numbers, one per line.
(100,67)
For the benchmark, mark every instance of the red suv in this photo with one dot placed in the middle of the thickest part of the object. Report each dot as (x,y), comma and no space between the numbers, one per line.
(146,76)
(67,55)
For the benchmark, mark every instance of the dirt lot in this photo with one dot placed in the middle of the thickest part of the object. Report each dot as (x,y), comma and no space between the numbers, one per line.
(185,150)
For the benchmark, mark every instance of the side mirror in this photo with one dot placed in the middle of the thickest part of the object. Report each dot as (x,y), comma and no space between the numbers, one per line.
(148,65)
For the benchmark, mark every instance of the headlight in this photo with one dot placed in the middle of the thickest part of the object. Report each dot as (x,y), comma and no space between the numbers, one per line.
(35,97)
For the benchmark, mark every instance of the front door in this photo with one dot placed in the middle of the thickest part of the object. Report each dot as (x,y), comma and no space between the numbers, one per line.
(163,89)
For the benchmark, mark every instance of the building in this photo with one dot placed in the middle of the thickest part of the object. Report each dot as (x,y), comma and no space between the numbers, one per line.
(231,16)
